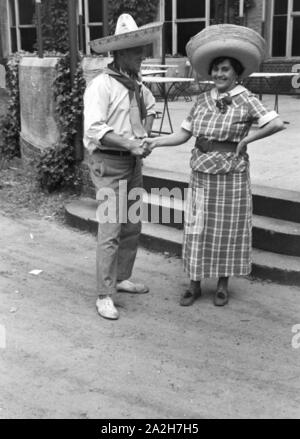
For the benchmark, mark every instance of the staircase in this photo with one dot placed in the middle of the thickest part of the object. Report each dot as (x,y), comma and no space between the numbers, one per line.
(276,225)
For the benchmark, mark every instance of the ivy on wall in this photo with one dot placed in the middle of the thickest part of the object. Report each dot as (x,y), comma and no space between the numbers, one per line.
(10,124)
(57,167)
(143,11)
(55,25)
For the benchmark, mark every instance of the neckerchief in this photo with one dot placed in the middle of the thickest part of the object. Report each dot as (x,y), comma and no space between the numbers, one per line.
(132,84)
(222,102)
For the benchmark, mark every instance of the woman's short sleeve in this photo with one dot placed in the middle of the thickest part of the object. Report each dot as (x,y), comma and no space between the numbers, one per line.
(259,112)
(187,124)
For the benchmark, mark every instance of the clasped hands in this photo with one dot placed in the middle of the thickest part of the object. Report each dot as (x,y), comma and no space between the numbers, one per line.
(143,147)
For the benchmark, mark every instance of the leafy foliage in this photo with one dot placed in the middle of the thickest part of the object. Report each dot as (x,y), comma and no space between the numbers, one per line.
(57,166)
(55,25)
(143,11)
(10,124)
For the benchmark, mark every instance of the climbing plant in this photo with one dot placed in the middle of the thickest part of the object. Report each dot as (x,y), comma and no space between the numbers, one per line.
(143,11)
(55,25)
(57,167)
(10,124)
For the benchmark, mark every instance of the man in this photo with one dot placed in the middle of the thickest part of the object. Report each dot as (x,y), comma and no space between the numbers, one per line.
(118,114)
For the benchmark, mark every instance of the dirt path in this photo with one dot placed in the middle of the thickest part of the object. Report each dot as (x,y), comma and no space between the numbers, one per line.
(159,360)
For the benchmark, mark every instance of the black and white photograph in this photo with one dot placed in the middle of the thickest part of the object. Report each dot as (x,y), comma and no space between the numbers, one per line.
(149,213)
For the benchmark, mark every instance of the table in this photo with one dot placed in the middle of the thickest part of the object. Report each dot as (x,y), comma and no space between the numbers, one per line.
(152,72)
(205,85)
(273,85)
(159,66)
(164,91)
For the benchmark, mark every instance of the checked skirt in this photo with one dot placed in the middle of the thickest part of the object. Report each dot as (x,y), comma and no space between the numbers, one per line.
(222,247)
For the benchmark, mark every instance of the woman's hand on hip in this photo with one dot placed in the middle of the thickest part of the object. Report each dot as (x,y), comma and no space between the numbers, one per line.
(241,148)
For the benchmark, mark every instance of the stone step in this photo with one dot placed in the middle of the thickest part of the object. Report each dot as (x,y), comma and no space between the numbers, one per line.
(157,237)
(265,265)
(269,234)
(82,214)
(275,235)
(267,201)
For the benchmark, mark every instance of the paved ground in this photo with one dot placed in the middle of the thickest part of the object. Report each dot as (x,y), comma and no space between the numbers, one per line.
(275,161)
(158,361)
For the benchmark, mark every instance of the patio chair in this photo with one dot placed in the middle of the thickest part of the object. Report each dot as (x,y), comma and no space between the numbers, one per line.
(183,90)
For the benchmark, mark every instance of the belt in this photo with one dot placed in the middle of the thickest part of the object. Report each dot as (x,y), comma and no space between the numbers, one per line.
(115,152)
(206,145)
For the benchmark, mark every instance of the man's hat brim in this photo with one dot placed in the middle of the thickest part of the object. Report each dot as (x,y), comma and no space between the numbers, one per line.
(241,43)
(141,37)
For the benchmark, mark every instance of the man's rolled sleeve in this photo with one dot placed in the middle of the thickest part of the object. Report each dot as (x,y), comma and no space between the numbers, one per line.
(96,102)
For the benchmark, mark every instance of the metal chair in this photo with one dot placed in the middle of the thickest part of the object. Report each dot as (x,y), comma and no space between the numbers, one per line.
(183,90)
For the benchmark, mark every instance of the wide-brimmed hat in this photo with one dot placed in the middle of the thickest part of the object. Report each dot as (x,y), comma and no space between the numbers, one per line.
(239,42)
(127,35)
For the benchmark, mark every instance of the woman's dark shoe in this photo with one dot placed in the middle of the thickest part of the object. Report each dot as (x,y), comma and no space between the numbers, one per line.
(189,297)
(221,298)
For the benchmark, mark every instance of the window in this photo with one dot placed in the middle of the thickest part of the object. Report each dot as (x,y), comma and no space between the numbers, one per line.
(92,21)
(183,19)
(22,26)
(285,28)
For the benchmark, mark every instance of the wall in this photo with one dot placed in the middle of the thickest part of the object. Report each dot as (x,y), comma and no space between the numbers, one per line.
(93,65)
(254,17)
(38,125)
(39,128)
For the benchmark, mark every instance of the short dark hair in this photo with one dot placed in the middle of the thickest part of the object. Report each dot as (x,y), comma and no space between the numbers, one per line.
(236,65)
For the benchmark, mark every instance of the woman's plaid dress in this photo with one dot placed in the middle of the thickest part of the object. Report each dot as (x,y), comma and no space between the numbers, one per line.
(222,247)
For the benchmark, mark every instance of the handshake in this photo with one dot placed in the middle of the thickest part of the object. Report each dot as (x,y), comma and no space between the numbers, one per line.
(143,147)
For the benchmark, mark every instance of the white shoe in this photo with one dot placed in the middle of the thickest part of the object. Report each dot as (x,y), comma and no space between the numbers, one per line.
(126,286)
(106,308)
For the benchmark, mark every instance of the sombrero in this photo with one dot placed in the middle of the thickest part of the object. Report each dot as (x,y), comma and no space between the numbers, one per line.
(239,42)
(127,35)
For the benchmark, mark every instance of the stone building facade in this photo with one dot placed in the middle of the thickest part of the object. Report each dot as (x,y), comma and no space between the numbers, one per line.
(277,20)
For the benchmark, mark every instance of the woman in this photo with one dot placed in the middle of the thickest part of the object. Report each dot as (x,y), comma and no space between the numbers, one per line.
(220,120)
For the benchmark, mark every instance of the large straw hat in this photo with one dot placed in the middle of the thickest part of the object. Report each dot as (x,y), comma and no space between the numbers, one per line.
(127,35)
(239,42)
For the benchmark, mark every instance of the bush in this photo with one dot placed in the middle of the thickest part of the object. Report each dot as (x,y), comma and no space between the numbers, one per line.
(57,167)
(10,122)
